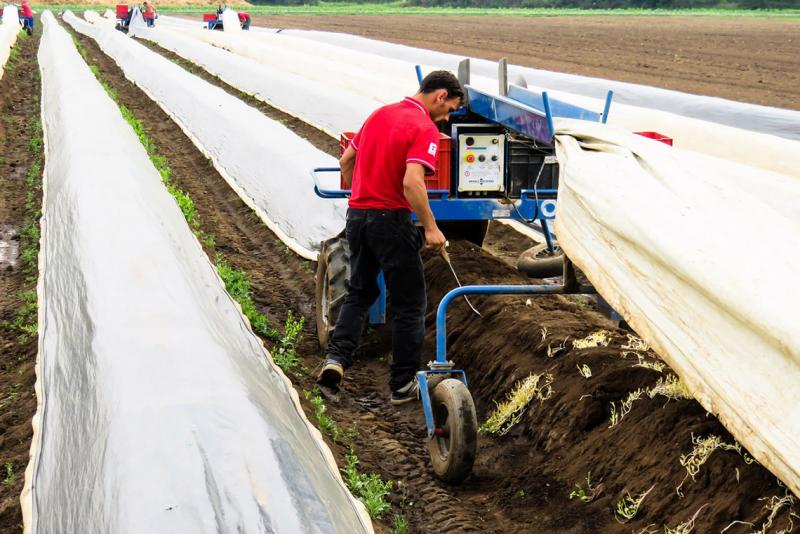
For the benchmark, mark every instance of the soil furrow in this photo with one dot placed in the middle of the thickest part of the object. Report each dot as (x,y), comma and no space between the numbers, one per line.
(20,202)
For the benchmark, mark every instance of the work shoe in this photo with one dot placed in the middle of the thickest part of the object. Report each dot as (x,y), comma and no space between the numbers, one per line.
(407,393)
(331,374)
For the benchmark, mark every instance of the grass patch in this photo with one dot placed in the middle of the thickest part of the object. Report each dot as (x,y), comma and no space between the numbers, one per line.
(369,488)
(509,412)
(402,8)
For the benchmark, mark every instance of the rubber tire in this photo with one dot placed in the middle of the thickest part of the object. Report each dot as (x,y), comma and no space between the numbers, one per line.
(472,231)
(332,283)
(538,262)
(453,458)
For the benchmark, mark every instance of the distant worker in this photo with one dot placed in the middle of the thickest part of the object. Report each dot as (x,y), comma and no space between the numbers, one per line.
(26,17)
(386,163)
(244,20)
(149,13)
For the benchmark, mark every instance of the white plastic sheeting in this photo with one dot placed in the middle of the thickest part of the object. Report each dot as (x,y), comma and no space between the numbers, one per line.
(9,30)
(329,108)
(765,137)
(764,119)
(264,162)
(160,410)
(692,252)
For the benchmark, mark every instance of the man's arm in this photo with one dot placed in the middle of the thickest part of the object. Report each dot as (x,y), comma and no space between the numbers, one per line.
(417,195)
(347,163)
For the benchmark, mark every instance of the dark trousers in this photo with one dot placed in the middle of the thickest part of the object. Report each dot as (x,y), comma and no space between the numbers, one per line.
(387,240)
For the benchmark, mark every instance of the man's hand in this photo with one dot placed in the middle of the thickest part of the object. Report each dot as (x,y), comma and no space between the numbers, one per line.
(417,195)
(434,239)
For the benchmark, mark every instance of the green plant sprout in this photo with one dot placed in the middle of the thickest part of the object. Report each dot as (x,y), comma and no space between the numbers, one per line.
(625,406)
(509,412)
(584,370)
(369,488)
(585,495)
(627,507)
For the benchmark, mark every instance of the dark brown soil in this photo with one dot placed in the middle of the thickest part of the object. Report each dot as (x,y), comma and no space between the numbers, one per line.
(741,58)
(19,109)
(522,480)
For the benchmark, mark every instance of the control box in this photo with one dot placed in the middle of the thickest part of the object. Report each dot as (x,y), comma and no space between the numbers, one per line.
(481,162)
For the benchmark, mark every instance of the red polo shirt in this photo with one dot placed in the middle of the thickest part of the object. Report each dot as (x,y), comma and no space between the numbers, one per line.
(392,137)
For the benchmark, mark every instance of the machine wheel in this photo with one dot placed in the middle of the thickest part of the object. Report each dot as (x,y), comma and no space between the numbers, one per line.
(472,231)
(538,262)
(332,280)
(455,443)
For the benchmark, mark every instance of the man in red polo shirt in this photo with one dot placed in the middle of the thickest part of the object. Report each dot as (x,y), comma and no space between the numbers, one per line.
(386,163)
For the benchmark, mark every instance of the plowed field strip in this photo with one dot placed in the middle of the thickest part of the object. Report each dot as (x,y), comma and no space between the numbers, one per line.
(20,202)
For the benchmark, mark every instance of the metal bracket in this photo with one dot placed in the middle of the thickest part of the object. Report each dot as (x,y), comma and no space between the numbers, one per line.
(502,76)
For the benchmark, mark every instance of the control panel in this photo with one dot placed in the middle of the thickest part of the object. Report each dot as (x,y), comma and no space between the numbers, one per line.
(481,161)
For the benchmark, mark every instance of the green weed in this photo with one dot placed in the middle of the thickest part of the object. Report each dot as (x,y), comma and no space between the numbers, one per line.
(325,422)
(589,493)
(399,524)
(584,370)
(285,355)
(237,284)
(369,488)
(10,477)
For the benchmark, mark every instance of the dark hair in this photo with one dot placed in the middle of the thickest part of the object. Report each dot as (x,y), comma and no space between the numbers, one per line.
(442,79)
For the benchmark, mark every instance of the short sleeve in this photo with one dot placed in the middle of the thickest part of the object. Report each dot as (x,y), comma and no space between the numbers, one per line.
(424,148)
(356,141)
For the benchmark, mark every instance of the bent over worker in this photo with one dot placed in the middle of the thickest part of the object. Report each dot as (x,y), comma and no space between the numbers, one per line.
(386,164)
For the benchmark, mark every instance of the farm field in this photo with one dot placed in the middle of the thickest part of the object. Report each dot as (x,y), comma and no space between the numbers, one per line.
(571,459)
(754,60)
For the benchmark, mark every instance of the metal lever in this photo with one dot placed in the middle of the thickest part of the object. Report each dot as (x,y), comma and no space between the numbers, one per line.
(446,257)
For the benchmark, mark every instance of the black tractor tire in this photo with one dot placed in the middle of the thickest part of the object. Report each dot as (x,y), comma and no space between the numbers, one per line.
(538,262)
(472,231)
(332,283)
(453,447)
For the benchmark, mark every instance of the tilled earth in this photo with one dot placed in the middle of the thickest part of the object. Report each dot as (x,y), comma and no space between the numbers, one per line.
(754,60)
(19,110)
(522,480)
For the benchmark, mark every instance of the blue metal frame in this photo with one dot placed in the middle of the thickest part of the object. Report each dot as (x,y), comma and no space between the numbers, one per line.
(556,108)
(442,364)
(447,208)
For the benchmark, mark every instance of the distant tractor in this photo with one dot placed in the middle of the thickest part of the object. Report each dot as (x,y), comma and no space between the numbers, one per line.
(125,14)
(213,21)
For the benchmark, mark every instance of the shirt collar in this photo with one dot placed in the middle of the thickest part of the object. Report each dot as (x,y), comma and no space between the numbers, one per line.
(418,104)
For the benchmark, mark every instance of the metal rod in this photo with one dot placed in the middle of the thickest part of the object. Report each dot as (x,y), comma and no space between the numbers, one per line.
(441,313)
(548,113)
(607,108)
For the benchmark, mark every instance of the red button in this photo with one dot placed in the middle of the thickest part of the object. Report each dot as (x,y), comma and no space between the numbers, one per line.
(470,158)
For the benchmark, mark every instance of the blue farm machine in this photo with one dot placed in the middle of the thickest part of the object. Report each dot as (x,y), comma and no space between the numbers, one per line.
(497,161)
